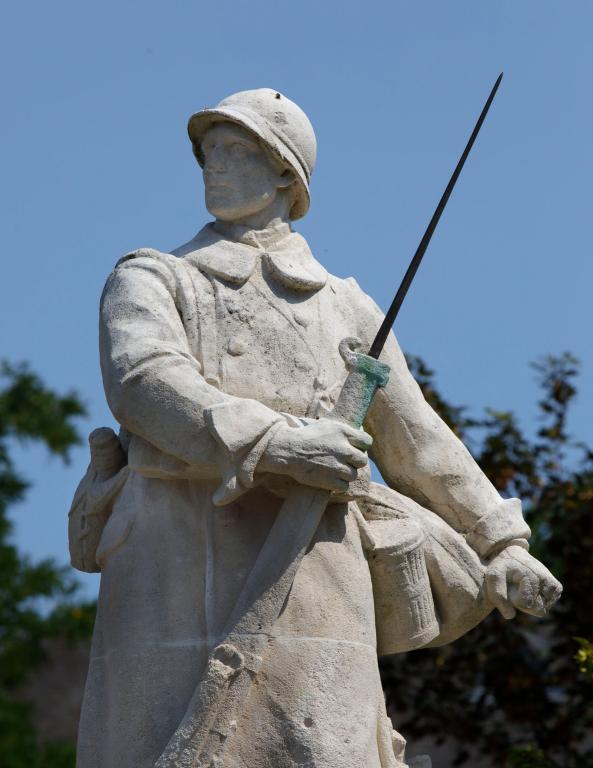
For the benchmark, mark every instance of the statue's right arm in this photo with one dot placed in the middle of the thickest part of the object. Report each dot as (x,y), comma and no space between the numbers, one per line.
(154,385)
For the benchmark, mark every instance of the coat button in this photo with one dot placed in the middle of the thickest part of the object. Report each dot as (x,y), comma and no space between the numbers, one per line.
(236,347)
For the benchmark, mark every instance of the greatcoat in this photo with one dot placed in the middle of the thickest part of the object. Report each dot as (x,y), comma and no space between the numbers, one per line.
(204,352)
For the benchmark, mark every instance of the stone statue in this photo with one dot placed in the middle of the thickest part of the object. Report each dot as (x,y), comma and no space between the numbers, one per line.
(222,361)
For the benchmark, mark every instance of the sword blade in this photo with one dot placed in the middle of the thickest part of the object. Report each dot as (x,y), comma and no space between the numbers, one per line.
(392,312)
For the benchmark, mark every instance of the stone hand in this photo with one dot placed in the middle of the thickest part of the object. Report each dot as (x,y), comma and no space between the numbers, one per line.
(516,580)
(324,454)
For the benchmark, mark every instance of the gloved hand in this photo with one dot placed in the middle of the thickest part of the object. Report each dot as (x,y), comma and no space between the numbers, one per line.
(324,453)
(515,580)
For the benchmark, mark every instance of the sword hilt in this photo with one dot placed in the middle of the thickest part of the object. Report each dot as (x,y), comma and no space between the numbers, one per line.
(365,376)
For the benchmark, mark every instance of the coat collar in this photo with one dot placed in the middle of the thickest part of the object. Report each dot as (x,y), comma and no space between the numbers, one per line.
(231,254)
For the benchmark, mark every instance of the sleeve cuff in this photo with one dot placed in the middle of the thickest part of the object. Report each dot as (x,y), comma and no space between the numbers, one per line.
(498,528)
(242,428)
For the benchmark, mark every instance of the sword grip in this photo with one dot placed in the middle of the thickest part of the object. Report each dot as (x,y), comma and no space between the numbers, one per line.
(365,376)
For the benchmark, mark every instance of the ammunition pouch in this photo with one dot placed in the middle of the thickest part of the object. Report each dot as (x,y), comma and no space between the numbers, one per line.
(94,498)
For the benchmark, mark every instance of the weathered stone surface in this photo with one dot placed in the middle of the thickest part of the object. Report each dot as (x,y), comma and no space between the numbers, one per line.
(245,559)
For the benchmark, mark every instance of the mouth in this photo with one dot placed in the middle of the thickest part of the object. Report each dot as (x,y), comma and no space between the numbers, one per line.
(213,183)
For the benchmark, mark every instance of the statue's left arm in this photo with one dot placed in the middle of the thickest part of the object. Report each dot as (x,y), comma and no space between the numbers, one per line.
(418,455)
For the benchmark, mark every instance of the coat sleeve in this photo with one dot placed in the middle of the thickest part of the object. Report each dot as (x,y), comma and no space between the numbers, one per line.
(154,385)
(419,455)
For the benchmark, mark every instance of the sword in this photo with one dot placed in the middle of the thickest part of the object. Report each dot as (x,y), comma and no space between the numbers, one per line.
(392,312)
(213,713)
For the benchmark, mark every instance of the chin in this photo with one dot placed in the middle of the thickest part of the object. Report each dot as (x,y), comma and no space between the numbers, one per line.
(229,212)
(223,214)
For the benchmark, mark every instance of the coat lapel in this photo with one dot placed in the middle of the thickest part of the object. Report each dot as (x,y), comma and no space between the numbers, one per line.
(293,264)
(287,259)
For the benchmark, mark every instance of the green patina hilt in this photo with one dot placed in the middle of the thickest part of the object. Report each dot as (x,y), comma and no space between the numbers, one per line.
(365,376)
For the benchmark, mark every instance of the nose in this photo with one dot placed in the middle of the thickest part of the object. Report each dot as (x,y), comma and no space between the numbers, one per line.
(214,159)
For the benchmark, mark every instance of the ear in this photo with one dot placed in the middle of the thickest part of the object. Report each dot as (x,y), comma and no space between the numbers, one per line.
(286,179)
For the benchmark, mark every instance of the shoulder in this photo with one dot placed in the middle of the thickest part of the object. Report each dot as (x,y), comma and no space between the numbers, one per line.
(359,310)
(146,257)
(171,261)
(138,270)
(350,294)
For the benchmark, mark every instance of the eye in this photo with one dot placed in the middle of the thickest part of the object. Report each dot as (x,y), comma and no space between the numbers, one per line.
(238,149)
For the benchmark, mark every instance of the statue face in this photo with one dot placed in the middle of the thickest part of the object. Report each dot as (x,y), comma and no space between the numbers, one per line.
(240,178)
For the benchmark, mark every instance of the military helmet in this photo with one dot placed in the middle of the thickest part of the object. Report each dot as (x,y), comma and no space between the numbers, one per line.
(278,122)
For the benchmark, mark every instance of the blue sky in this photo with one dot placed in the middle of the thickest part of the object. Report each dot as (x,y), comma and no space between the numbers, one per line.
(95,161)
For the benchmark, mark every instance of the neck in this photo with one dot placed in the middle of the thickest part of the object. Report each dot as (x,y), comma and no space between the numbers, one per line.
(265,237)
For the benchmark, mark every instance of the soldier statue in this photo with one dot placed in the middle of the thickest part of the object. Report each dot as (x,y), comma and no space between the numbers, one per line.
(222,362)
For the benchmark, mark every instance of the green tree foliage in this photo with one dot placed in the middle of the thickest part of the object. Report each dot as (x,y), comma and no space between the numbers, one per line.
(584,657)
(518,691)
(29,411)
